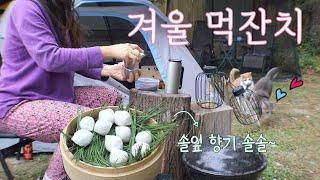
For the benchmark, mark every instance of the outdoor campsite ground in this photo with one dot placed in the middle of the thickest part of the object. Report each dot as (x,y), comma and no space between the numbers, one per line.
(294,126)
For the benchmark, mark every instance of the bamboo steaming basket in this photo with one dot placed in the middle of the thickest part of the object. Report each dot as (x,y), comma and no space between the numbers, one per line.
(145,169)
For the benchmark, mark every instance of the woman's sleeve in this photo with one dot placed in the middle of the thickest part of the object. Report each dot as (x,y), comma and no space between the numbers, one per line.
(94,73)
(39,40)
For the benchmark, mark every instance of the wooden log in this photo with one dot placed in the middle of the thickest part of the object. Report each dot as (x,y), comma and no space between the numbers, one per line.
(143,100)
(212,121)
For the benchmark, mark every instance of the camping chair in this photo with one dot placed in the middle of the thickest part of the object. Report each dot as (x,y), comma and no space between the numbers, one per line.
(201,45)
(229,54)
(261,56)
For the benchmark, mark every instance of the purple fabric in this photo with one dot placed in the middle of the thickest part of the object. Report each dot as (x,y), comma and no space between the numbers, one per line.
(34,66)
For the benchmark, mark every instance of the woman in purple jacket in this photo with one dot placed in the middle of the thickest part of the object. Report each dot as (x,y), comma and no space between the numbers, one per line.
(41,53)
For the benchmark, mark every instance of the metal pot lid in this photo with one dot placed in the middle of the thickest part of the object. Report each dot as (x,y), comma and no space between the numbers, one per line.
(226,162)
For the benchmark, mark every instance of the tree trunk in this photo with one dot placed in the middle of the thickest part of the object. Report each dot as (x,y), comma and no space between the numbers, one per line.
(315,18)
(314,30)
(193,10)
(142,100)
(285,47)
(212,121)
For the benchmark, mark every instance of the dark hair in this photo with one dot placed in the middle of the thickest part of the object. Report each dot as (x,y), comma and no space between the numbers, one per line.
(65,21)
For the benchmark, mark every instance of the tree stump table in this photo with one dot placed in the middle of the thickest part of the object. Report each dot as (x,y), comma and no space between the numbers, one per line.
(143,100)
(210,121)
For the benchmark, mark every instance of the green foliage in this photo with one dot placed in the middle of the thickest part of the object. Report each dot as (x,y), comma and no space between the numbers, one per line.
(160,3)
(309,51)
(301,2)
(311,43)
(305,5)
(308,60)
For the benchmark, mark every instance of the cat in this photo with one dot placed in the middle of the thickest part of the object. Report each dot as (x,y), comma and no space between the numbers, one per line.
(263,91)
(244,80)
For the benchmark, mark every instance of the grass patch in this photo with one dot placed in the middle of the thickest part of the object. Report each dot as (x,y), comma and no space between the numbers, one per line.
(309,61)
(32,169)
(295,127)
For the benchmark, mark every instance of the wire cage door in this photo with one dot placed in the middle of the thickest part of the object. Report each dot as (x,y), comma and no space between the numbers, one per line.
(246,106)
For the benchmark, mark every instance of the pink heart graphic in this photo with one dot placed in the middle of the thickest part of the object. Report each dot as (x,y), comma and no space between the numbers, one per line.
(295,83)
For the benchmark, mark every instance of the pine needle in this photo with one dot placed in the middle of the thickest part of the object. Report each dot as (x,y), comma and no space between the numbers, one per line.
(96,154)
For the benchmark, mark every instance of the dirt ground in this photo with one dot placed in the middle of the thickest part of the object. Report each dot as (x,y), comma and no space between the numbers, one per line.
(294,126)
(27,170)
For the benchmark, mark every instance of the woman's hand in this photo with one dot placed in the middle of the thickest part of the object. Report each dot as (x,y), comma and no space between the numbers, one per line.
(129,53)
(119,72)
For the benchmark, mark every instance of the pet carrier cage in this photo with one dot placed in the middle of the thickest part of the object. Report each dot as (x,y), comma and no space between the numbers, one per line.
(209,88)
(246,106)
